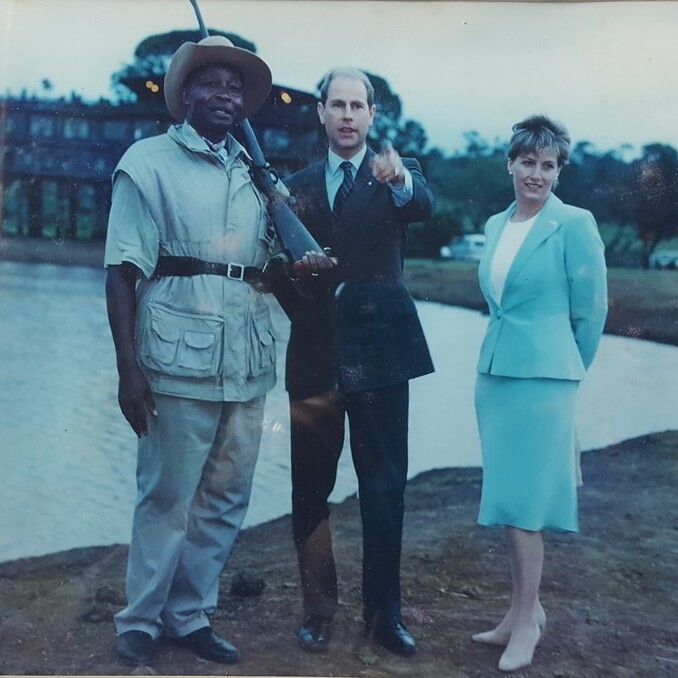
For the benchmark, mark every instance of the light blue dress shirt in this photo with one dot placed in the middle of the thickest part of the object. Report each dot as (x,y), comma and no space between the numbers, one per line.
(334,175)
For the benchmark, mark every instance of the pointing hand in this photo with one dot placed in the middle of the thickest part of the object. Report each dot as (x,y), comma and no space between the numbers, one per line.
(388,167)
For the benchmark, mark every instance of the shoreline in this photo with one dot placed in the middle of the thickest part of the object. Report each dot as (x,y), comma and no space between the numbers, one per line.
(22,249)
(630,291)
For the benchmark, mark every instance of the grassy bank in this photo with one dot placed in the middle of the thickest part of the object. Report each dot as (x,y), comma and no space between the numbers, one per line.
(642,303)
(49,251)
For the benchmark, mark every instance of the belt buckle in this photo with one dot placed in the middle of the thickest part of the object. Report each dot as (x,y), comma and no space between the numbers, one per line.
(235,272)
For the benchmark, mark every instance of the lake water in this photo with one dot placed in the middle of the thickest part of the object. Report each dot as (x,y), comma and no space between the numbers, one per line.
(68,456)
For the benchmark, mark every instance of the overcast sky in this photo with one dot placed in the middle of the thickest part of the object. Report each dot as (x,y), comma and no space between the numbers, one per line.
(608,70)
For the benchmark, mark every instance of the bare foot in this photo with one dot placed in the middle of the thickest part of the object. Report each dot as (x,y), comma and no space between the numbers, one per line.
(520,649)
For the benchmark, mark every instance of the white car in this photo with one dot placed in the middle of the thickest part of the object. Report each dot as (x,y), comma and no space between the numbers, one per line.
(664,259)
(467,247)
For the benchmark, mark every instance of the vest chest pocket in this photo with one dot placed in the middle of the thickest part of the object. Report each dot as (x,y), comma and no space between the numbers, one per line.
(180,343)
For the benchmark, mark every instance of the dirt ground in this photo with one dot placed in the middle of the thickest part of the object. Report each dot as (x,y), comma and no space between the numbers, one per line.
(610,592)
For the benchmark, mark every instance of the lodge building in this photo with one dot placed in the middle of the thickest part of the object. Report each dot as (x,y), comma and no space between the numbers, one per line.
(57,156)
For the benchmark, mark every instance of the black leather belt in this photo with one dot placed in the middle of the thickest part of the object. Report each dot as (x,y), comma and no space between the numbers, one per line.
(184,266)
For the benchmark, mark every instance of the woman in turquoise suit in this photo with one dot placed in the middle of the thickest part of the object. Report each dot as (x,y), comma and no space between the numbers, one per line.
(543,276)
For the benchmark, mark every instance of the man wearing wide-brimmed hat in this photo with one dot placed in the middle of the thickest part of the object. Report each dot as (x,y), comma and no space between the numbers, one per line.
(187,238)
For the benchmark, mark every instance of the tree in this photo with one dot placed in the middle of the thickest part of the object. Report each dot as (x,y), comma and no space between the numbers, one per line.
(482,186)
(425,240)
(596,182)
(389,109)
(476,146)
(408,137)
(152,56)
(475,184)
(411,138)
(654,194)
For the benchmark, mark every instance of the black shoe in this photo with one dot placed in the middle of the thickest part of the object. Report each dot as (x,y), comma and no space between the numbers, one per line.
(135,648)
(395,637)
(207,644)
(314,633)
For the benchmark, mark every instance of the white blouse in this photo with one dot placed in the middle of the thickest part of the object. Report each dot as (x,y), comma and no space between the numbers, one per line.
(512,237)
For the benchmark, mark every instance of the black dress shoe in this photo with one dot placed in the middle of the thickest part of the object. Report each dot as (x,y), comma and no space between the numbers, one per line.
(135,648)
(314,633)
(207,644)
(395,637)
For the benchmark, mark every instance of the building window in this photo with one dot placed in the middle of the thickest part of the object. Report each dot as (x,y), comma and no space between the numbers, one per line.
(14,123)
(115,130)
(42,126)
(275,140)
(145,128)
(76,128)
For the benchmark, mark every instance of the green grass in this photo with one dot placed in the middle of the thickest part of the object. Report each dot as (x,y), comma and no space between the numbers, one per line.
(642,303)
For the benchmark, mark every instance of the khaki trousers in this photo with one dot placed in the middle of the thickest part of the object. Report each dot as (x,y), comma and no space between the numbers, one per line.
(194,478)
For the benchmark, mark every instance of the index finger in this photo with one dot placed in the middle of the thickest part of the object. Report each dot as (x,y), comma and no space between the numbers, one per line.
(387,147)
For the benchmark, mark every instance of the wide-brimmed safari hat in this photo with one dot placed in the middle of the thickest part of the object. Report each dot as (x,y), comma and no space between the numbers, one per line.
(216,49)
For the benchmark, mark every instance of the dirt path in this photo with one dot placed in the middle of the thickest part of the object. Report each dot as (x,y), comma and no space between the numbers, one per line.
(611,592)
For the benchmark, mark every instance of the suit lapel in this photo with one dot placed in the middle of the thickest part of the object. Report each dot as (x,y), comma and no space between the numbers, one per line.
(310,196)
(358,199)
(493,230)
(546,225)
(317,192)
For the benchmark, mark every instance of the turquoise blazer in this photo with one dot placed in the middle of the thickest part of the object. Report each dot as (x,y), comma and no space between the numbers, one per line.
(553,308)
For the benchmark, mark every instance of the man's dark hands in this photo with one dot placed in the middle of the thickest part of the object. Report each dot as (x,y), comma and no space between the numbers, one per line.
(136,400)
(313,263)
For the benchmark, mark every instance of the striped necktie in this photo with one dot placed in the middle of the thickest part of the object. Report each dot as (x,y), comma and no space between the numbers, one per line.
(344,189)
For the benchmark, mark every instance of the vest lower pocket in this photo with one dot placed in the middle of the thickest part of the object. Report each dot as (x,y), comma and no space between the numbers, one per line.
(262,343)
(181,343)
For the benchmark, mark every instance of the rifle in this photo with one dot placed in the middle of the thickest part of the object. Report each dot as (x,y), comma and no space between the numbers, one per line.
(294,238)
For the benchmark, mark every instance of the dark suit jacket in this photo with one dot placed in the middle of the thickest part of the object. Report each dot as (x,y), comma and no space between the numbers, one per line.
(359,330)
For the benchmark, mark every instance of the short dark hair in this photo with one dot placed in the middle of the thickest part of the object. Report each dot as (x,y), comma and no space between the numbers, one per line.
(348,72)
(537,133)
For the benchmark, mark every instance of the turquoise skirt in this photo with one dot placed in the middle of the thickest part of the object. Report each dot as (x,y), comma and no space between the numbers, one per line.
(527,437)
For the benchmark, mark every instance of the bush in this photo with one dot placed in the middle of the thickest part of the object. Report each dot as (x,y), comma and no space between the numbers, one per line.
(426,239)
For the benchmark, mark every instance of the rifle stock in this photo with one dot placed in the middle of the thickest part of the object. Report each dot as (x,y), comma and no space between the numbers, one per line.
(294,238)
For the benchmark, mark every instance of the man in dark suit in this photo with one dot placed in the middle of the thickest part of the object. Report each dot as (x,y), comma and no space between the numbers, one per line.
(354,344)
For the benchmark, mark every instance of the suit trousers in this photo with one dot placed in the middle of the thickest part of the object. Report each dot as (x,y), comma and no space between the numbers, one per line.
(194,478)
(378,424)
